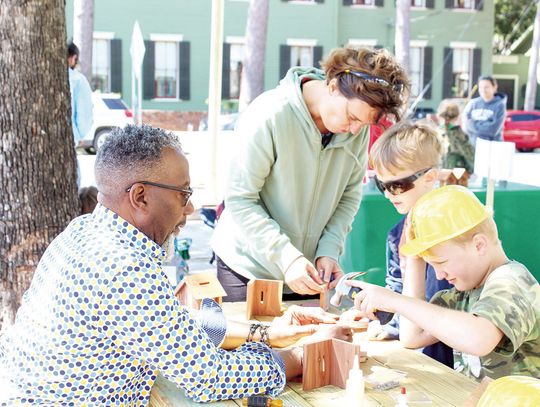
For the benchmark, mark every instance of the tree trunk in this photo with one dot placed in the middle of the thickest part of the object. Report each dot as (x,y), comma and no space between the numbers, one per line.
(83,33)
(532,79)
(37,158)
(252,82)
(403,8)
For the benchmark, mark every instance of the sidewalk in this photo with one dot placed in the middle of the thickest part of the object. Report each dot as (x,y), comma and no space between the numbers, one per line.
(200,250)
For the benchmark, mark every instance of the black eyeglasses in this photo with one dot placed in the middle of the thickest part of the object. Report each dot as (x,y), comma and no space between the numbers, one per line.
(399,186)
(398,87)
(186,192)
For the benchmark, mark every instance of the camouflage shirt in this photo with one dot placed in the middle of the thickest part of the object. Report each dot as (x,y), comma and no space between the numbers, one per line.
(510,299)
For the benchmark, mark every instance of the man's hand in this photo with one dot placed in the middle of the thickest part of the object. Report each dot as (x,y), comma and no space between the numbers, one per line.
(303,278)
(327,268)
(296,323)
(373,298)
(296,315)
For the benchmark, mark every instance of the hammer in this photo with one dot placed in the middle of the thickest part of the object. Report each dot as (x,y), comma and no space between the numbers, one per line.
(343,289)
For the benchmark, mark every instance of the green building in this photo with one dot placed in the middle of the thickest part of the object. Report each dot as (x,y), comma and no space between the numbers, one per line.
(450,44)
(512,71)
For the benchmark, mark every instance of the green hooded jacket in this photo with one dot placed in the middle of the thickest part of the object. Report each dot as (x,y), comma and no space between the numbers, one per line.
(287,196)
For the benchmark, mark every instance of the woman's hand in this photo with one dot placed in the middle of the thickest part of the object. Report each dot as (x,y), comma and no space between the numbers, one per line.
(303,278)
(327,268)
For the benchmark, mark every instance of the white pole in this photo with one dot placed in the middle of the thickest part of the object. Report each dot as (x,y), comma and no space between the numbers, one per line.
(214,93)
(133,94)
(139,98)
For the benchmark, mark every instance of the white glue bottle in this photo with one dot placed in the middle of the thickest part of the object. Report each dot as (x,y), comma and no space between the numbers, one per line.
(402,398)
(354,389)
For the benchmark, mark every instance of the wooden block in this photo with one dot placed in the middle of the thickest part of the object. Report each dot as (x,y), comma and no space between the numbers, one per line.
(195,287)
(263,298)
(328,362)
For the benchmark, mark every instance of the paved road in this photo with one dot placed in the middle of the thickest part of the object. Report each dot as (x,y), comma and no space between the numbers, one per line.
(526,170)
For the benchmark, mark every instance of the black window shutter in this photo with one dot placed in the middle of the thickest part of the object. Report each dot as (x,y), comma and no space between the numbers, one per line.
(477,65)
(430,3)
(149,63)
(347,2)
(226,72)
(428,71)
(378,47)
(116,65)
(184,70)
(379,3)
(478,4)
(317,56)
(319,1)
(284,60)
(448,76)
(449,4)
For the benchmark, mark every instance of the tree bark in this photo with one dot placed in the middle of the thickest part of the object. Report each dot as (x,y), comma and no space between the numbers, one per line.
(532,79)
(83,34)
(252,81)
(37,158)
(403,8)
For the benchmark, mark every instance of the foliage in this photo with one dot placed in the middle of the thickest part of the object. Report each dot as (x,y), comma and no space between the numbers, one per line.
(512,18)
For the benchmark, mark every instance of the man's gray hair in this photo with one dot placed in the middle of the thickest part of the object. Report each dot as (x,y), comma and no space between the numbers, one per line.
(131,153)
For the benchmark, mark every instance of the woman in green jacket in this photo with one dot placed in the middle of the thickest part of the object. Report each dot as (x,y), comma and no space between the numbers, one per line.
(295,183)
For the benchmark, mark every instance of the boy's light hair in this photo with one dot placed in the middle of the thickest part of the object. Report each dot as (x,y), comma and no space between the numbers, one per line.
(487,227)
(407,146)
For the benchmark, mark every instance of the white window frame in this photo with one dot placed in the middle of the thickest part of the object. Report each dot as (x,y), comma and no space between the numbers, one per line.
(423,6)
(421,45)
(464,9)
(470,68)
(362,42)
(372,5)
(168,38)
(102,36)
(234,41)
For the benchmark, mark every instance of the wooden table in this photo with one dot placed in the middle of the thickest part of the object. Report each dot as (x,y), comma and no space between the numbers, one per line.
(440,384)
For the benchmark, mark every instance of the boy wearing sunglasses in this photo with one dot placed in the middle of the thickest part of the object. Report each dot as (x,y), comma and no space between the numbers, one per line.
(406,160)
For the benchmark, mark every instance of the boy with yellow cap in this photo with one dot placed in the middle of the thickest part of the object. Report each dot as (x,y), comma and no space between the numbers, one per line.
(491,317)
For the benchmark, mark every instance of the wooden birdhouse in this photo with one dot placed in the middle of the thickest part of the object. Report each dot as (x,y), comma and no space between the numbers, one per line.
(328,362)
(195,287)
(456,176)
(263,298)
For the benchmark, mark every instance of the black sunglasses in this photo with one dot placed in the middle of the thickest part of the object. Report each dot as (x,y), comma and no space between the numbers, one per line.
(399,186)
(186,192)
(398,87)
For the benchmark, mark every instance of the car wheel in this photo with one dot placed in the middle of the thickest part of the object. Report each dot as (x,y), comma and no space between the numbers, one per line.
(526,150)
(100,138)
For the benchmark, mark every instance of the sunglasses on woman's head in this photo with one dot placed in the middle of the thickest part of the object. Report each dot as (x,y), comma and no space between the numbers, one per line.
(399,186)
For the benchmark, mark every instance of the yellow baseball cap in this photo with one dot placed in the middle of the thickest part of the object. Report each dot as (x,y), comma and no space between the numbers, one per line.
(441,215)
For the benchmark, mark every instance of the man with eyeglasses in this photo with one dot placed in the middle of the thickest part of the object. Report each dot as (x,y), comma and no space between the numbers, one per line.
(100,319)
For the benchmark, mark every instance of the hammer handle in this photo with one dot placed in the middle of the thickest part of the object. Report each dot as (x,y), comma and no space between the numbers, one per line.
(384,317)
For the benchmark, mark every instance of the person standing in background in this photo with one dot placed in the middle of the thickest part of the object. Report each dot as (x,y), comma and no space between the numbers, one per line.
(460,151)
(81,96)
(483,116)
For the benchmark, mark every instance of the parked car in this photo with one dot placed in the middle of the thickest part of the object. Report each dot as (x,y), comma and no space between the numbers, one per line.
(523,128)
(110,111)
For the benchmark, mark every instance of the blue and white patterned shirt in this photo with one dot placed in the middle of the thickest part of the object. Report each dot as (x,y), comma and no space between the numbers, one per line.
(100,320)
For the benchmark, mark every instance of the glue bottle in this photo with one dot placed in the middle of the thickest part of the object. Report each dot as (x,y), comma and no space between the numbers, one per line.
(402,398)
(354,388)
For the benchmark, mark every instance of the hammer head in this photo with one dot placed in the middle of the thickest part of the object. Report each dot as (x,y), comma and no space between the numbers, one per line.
(342,288)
